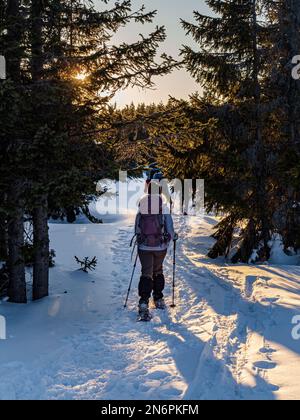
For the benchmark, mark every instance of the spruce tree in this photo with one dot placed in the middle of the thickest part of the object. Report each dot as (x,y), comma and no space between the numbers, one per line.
(230,66)
(284,92)
(70,71)
(12,179)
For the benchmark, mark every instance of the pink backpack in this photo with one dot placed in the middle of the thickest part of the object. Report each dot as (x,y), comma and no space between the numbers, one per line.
(151,227)
(151,230)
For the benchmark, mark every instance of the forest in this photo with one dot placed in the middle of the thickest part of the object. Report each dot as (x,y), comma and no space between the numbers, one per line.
(60,131)
(218,298)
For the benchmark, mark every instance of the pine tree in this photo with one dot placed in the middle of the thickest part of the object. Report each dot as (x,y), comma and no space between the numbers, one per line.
(12,184)
(284,91)
(230,66)
(70,71)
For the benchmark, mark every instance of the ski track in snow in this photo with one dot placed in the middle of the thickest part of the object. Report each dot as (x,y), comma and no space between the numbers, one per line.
(227,338)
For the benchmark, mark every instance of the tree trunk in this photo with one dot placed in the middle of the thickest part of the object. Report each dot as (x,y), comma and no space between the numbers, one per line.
(3,239)
(3,234)
(16,266)
(36,40)
(15,228)
(12,54)
(260,166)
(41,247)
(40,213)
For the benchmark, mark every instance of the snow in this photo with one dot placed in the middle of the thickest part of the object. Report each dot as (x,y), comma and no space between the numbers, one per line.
(230,336)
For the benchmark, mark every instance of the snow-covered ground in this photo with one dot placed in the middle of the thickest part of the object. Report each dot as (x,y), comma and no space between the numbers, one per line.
(230,336)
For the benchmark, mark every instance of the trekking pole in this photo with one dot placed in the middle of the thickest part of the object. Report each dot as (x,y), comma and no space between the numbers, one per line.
(174,272)
(130,284)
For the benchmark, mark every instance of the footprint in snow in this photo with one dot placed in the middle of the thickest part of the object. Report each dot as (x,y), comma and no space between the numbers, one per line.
(270,300)
(266,350)
(158,375)
(249,286)
(265,365)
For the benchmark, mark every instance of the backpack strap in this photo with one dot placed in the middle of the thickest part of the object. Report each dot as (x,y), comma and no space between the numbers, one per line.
(132,240)
(162,221)
(137,224)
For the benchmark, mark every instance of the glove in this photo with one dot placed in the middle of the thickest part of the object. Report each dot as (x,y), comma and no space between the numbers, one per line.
(175,237)
(167,237)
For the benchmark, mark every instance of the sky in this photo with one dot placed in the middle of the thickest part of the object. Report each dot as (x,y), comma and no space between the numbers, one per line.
(179,84)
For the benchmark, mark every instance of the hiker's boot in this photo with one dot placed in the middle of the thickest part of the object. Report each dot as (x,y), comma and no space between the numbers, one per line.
(144,314)
(160,303)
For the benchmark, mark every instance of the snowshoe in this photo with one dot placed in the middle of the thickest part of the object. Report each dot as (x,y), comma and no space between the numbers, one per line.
(144,313)
(160,304)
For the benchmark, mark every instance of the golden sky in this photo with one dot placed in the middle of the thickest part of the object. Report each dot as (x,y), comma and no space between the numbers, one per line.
(178,84)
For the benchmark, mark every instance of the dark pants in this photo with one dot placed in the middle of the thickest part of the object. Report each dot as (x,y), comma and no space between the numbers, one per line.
(152,279)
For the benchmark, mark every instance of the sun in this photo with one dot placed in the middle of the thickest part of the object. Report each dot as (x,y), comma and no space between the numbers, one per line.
(81,76)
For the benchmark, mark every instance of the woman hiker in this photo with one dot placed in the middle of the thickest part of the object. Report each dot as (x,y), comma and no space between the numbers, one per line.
(155,231)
